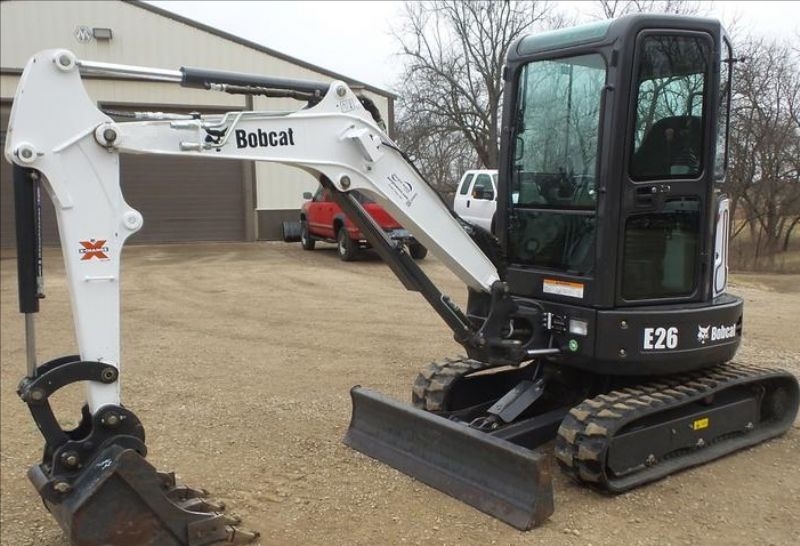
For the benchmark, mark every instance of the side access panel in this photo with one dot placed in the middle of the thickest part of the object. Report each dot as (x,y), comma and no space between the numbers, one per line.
(493,475)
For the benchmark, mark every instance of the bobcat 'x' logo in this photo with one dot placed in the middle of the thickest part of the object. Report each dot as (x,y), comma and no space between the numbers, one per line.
(93,249)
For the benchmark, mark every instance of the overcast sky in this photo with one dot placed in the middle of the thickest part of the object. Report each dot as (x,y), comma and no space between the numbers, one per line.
(354,38)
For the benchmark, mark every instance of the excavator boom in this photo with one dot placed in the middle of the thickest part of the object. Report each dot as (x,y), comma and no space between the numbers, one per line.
(71,149)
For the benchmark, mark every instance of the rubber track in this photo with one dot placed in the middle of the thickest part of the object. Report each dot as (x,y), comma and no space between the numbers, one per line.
(586,432)
(434,382)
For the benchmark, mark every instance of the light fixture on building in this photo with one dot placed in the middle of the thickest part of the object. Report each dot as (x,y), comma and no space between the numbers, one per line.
(102,34)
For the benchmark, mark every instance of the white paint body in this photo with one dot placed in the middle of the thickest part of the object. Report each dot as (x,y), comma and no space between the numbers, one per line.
(54,119)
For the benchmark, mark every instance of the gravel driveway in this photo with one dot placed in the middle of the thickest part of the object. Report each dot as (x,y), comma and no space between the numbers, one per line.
(238,359)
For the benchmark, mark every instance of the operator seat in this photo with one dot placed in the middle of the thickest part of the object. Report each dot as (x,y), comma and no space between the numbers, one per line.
(672,147)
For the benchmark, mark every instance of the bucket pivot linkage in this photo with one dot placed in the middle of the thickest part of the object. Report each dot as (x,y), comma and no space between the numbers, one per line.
(96,482)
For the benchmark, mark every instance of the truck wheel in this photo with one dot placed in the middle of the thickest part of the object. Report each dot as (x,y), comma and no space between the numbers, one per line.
(305,238)
(291,232)
(417,251)
(348,249)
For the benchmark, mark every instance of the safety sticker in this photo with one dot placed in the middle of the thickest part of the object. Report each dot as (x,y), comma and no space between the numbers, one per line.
(563,288)
(93,248)
(700,424)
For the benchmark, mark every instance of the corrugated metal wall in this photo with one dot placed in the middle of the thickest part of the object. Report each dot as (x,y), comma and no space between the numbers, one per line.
(144,37)
(140,37)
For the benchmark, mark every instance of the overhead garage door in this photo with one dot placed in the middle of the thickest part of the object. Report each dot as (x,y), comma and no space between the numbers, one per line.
(181,199)
(184,199)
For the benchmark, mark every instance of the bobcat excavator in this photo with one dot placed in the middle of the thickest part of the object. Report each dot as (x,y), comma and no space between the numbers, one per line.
(597,317)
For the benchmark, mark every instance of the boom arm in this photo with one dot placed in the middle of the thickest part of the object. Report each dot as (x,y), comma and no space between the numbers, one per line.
(56,129)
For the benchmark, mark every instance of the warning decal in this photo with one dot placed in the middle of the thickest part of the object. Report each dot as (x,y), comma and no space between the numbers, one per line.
(562,288)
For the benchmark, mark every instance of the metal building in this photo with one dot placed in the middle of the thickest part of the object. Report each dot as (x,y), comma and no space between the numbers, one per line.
(181,199)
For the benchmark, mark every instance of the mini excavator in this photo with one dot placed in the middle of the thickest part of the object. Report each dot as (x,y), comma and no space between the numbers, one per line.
(598,326)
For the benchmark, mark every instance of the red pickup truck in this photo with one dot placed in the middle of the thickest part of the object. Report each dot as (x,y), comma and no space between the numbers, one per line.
(322,220)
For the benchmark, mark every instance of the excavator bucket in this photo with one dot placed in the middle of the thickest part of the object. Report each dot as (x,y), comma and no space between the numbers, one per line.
(121,500)
(493,475)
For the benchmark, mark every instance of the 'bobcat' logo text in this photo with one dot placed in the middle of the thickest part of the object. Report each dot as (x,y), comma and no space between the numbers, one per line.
(264,139)
(715,333)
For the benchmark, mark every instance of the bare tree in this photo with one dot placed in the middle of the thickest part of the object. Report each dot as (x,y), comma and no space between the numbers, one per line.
(611,9)
(764,169)
(441,155)
(452,83)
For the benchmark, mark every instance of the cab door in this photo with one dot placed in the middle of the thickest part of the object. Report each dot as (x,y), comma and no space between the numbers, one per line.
(668,179)
(320,214)
(461,201)
(482,204)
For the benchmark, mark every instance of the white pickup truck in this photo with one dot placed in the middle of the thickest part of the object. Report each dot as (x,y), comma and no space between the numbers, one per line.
(476,197)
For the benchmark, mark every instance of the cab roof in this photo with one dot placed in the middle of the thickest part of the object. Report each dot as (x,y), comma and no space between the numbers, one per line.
(607,30)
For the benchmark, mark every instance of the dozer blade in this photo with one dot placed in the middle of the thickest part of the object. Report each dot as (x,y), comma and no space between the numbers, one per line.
(495,476)
(120,500)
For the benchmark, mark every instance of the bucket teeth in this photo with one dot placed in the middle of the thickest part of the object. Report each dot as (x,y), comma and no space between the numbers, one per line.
(199,504)
(196,500)
(177,492)
(167,479)
(229,519)
(182,493)
(237,536)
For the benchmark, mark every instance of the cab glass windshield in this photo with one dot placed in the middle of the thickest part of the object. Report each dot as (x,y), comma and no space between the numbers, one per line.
(555,159)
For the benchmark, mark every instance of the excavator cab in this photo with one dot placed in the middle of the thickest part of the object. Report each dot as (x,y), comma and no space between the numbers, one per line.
(614,144)
(614,234)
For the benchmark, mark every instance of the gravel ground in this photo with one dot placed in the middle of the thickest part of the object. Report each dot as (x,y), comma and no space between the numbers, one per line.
(238,359)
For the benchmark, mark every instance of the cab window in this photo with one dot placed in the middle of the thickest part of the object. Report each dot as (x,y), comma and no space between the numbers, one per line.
(671,86)
(721,156)
(483,188)
(555,162)
(465,186)
(661,251)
